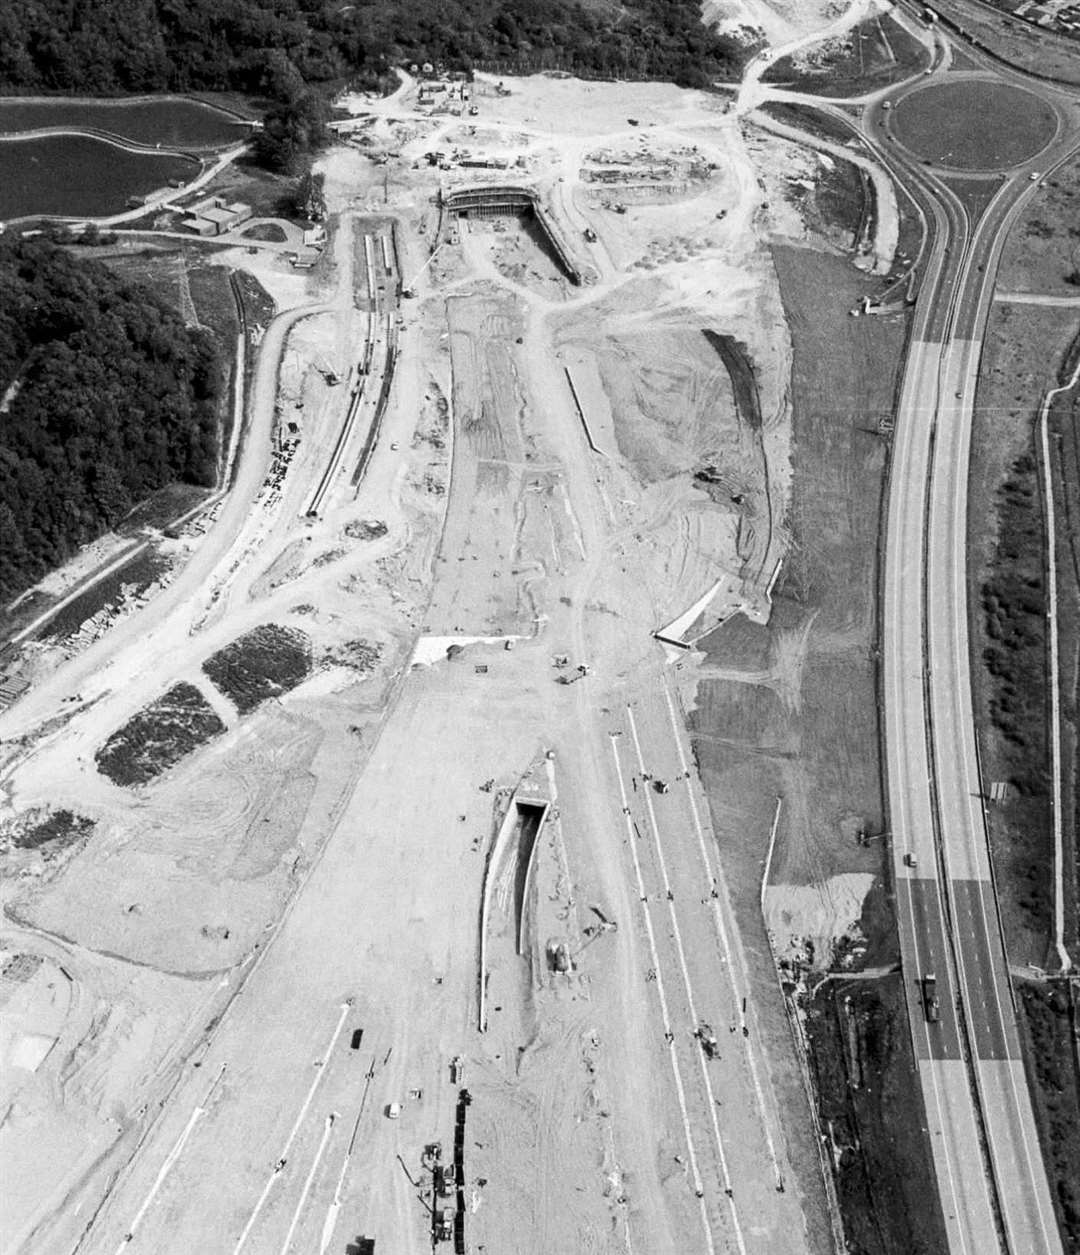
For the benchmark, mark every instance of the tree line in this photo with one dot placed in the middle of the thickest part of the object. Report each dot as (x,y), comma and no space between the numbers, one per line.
(105,396)
(292,54)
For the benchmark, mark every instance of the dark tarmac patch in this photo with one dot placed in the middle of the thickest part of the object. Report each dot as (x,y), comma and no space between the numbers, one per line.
(974,124)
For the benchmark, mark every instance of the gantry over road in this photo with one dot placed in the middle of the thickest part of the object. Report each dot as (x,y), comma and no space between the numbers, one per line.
(992,1179)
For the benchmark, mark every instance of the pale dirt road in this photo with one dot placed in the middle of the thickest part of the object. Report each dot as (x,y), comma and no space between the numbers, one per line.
(388,919)
(164,624)
(590,1124)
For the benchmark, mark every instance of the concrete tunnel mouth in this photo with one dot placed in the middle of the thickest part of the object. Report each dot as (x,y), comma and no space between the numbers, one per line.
(528,821)
(516,840)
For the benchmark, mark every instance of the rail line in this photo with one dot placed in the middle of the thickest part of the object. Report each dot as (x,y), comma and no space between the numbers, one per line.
(665,1014)
(372,438)
(680,951)
(352,413)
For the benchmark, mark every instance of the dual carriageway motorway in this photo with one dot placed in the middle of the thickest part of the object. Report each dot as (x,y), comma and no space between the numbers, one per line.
(992,1181)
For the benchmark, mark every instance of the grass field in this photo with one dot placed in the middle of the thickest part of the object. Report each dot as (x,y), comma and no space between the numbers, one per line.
(973,124)
(802,723)
(1014,40)
(174,123)
(864,1075)
(80,176)
(1064,431)
(1049,1023)
(1024,347)
(874,54)
(807,118)
(1043,251)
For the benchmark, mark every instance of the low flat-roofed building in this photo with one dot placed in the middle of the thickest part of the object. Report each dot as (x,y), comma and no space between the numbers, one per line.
(240,212)
(222,219)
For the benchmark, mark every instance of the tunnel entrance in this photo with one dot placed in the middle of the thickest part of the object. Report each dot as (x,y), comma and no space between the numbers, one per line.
(522,204)
(530,816)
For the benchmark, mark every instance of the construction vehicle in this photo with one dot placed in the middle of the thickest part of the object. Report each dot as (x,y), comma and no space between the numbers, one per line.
(707,1037)
(931,1008)
(445,1179)
(443,1223)
(457,1070)
(590,235)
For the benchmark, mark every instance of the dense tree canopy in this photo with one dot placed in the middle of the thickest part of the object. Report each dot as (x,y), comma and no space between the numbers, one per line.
(273,47)
(107,396)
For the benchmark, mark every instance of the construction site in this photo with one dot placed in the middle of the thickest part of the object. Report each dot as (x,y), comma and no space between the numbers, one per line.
(457,824)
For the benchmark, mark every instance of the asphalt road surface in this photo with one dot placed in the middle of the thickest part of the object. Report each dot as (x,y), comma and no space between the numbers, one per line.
(970,1068)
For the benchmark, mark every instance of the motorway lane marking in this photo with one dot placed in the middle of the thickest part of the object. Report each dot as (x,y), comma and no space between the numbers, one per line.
(330,1223)
(906,451)
(938,1103)
(702,1062)
(307,1183)
(973,822)
(346,1007)
(170,1162)
(723,934)
(691,1154)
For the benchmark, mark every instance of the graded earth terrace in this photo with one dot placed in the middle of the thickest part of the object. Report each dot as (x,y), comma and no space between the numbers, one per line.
(524,794)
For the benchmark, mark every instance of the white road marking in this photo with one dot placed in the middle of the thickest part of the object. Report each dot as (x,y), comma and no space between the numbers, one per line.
(663,1006)
(724,939)
(170,1161)
(307,1183)
(283,1157)
(702,1062)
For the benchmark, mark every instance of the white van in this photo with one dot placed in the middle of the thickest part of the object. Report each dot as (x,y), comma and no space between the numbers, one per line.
(393,1110)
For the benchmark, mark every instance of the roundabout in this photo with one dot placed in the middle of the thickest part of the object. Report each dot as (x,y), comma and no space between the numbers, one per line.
(974,124)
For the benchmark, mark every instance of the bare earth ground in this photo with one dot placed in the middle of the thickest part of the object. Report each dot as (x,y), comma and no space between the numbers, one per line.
(787,712)
(315,869)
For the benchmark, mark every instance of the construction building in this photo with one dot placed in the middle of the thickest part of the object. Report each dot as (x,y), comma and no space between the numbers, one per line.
(213,217)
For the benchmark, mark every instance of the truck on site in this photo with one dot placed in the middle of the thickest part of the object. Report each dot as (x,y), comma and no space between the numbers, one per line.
(707,1037)
(931,1007)
(444,1224)
(445,1179)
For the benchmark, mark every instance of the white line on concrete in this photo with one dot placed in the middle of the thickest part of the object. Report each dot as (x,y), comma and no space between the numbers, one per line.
(702,1062)
(307,1183)
(170,1162)
(1055,695)
(725,943)
(283,1157)
(691,1155)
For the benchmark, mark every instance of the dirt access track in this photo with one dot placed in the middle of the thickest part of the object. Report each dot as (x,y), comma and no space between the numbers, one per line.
(305,888)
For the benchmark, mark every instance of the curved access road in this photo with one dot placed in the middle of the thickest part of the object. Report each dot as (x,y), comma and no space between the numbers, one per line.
(992,1181)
